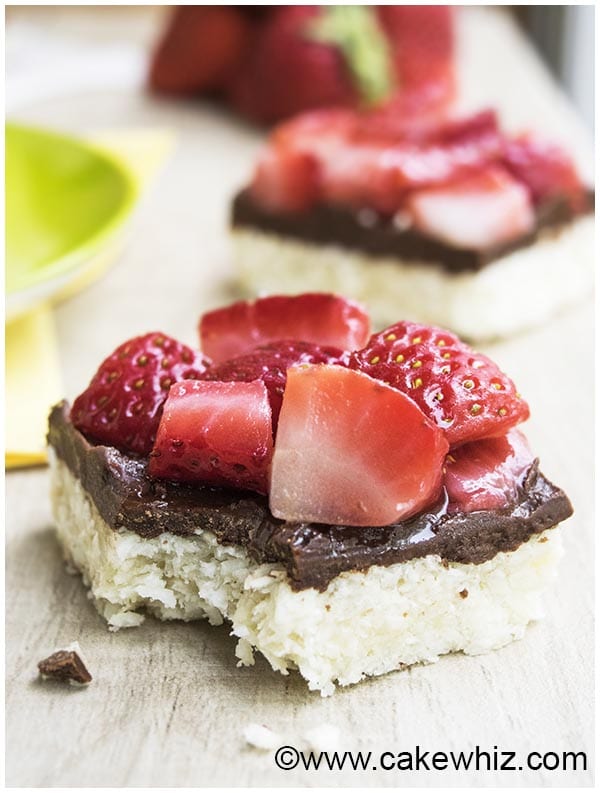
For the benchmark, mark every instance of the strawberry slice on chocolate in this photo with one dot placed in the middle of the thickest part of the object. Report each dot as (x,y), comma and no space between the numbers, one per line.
(487,474)
(270,362)
(480,211)
(215,434)
(352,451)
(318,318)
(369,159)
(123,403)
(462,391)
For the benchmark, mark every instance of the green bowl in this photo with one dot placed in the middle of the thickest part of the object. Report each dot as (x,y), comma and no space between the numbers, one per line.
(66,202)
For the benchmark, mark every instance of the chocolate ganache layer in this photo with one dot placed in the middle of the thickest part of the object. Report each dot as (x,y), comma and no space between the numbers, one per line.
(379,235)
(126,497)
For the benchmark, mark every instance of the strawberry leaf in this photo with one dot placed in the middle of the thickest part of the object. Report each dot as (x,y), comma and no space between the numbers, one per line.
(355,31)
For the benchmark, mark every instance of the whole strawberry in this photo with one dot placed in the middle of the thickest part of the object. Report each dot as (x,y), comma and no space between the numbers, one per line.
(201,48)
(463,392)
(288,71)
(269,363)
(422,45)
(123,403)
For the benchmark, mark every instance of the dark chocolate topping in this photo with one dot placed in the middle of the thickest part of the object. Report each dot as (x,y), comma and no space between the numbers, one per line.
(312,554)
(379,235)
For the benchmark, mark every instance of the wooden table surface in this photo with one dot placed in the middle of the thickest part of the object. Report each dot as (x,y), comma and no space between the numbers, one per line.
(167,706)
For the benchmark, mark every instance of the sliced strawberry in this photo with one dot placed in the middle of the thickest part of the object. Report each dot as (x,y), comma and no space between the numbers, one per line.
(370,159)
(463,392)
(545,169)
(289,175)
(480,129)
(480,211)
(202,47)
(286,180)
(269,363)
(387,124)
(123,403)
(318,318)
(215,433)
(351,451)
(487,474)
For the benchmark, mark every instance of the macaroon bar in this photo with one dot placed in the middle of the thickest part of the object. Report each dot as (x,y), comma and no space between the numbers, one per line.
(399,251)
(337,603)
(350,503)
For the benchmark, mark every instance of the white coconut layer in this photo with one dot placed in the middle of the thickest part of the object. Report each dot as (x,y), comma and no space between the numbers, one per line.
(518,291)
(363,624)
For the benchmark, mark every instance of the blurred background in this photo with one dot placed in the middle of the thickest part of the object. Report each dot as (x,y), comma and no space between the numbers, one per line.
(52,49)
(179,100)
(564,36)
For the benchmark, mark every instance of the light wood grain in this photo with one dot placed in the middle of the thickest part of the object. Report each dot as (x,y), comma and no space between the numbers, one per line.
(167,705)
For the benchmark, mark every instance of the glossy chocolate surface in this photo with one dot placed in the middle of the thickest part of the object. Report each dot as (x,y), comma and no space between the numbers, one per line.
(381,236)
(312,554)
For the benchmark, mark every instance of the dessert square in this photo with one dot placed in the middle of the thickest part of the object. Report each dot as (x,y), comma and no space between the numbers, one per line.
(452,552)
(435,224)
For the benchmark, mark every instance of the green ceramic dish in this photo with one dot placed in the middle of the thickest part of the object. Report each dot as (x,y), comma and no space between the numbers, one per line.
(65,202)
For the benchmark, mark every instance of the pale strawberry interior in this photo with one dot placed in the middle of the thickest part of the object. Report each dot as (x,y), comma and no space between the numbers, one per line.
(352,451)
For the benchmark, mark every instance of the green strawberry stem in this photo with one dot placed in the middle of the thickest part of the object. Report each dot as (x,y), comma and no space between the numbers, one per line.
(357,33)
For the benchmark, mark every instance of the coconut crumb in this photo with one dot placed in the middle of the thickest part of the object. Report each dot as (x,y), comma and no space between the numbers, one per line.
(245,653)
(261,737)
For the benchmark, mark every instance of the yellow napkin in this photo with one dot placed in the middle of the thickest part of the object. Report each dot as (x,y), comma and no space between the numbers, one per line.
(32,385)
(32,381)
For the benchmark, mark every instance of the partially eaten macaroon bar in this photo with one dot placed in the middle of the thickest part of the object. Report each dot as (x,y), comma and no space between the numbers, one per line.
(435,223)
(350,504)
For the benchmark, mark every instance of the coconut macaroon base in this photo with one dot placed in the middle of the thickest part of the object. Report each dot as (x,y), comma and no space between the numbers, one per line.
(364,623)
(515,292)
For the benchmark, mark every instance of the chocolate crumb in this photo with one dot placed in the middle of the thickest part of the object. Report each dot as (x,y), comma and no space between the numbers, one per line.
(543,539)
(445,564)
(464,593)
(66,666)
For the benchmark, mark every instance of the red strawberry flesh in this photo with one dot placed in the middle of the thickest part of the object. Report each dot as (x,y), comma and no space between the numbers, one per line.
(215,434)
(123,403)
(544,168)
(318,318)
(370,159)
(486,474)
(287,180)
(269,363)
(422,43)
(462,391)
(352,451)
